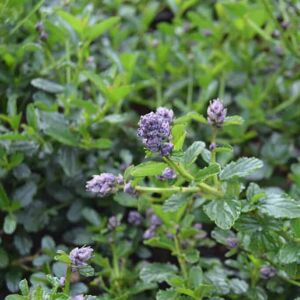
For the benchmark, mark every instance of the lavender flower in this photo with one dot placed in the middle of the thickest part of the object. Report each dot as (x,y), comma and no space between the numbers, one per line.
(155,131)
(128,188)
(149,233)
(155,221)
(216,113)
(231,242)
(62,281)
(167,174)
(165,113)
(104,184)
(78,297)
(268,271)
(198,226)
(113,223)
(79,256)
(212,146)
(134,218)
(39,27)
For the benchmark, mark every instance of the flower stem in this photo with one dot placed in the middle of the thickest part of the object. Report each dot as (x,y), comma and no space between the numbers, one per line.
(213,158)
(168,189)
(180,258)
(68,280)
(189,177)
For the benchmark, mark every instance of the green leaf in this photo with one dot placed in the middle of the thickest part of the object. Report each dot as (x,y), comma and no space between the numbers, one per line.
(207,172)
(87,271)
(160,242)
(279,206)
(169,294)
(289,253)
(150,168)
(295,226)
(47,85)
(16,297)
(10,224)
(126,200)
(25,193)
(91,216)
(62,257)
(178,136)
(4,259)
(4,200)
(23,285)
(98,29)
(195,277)
(157,272)
(233,120)
(241,168)
(189,117)
(73,21)
(223,212)
(191,153)
(191,256)
(175,202)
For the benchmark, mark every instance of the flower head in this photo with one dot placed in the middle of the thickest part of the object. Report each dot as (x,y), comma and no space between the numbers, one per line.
(216,113)
(155,221)
(149,233)
(113,223)
(134,218)
(155,131)
(104,184)
(268,271)
(167,174)
(79,256)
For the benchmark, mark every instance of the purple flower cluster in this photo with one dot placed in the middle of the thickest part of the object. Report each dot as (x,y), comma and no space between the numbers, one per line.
(155,131)
(167,174)
(268,271)
(129,189)
(113,223)
(216,113)
(79,256)
(134,218)
(104,184)
(155,222)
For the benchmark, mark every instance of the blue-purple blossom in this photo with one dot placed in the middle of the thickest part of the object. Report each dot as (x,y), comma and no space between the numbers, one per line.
(129,189)
(134,218)
(79,256)
(113,223)
(155,131)
(149,233)
(212,146)
(167,174)
(78,297)
(198,226)
(231,242)
(104,184)
(62,281)
(268,271)
(216,113)
(155,221)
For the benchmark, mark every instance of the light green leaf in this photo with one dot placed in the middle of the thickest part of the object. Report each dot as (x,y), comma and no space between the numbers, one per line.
(150,168)
(160,242)
(233,120)
(241,168)
(77,24)
(10,224)
(178,136)
(98,29)
(207,172)
(192,152)
(279,206)
(126,200)
(47,85)
(289,253)
(175,202)
(223,212)
(195,277)
(157,272)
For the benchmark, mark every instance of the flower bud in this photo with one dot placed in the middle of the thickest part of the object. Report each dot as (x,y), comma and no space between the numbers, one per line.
(134,218)
(268,271)
(113,223)
(167,174)
(149,233)
(216,113)
(79,256)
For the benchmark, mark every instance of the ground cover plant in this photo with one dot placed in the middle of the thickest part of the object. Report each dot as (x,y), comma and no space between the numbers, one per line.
(193,197)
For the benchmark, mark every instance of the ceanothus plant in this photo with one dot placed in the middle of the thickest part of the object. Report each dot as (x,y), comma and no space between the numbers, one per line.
(179,194)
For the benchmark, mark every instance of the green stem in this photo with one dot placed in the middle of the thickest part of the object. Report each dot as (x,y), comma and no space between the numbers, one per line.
(159,97)
(180,258)
(213,158)
(68,280)
(189,177)
(190,87)
(168,189)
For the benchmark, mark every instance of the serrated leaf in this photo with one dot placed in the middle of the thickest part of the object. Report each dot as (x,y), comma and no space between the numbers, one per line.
(192,152)
(289,253)
(223,212)
(175,202)
(157,272)
(207,172)
(47,85)
(279,206)
(241,168)
(150,168)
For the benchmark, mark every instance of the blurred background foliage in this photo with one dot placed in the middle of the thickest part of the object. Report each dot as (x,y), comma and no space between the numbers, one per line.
(76,75)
